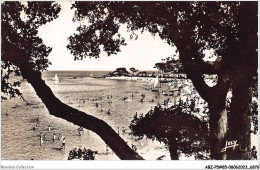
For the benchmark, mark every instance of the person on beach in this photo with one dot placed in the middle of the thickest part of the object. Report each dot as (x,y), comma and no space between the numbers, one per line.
(123,130)
(6,113)
(134,147)
(107,150)
(49,128)
(35,127)
(63,144)
(41,139)
(59,137)
(96,104)
(38,117)
(54,137)
(80,129)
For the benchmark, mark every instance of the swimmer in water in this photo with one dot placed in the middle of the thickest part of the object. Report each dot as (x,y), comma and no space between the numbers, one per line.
(59,137)
(63,143)
(38,117)
(34,128)
(123,130)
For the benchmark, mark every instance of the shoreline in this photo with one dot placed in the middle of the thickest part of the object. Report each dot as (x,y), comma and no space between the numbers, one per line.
(145,79)
(24,139)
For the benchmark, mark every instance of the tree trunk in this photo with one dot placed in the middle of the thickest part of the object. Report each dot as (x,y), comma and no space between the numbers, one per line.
(218,128)
(216,97)
(173,148)
(240,117)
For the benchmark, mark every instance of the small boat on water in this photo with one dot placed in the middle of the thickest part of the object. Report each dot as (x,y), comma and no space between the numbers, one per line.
(156,87)
(56,79)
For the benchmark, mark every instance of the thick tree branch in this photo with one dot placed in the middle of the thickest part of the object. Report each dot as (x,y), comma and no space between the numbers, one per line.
(61,110)
(192,72)
(195,68)
(211,67)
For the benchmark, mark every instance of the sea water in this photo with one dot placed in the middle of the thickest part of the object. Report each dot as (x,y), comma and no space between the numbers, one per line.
(79,90)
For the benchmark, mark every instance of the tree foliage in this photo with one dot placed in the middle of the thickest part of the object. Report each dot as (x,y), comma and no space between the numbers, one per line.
(28,62)
(19,25)
(134,70)
(227,29)
(82,154)
(198,25)
(174,66)
(192,27)
(178,121)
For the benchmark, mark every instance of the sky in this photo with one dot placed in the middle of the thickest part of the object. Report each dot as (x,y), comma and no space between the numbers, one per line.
(142,53)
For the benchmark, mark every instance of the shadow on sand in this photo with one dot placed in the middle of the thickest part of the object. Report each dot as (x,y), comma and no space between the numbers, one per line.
(57,149)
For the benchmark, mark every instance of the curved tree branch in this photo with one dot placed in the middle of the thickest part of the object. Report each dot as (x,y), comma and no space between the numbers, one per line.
(193,73)
(61,110)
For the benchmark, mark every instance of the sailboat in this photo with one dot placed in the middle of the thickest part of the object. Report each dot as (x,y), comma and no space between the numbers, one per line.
(156,85)
(56,79)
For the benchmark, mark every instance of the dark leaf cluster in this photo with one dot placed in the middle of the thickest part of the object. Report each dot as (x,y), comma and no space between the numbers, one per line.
(19,24)
(83,154)
(162,124)
(205,24)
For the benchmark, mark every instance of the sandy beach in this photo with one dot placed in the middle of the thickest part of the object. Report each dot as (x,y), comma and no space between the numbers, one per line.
(21,142)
